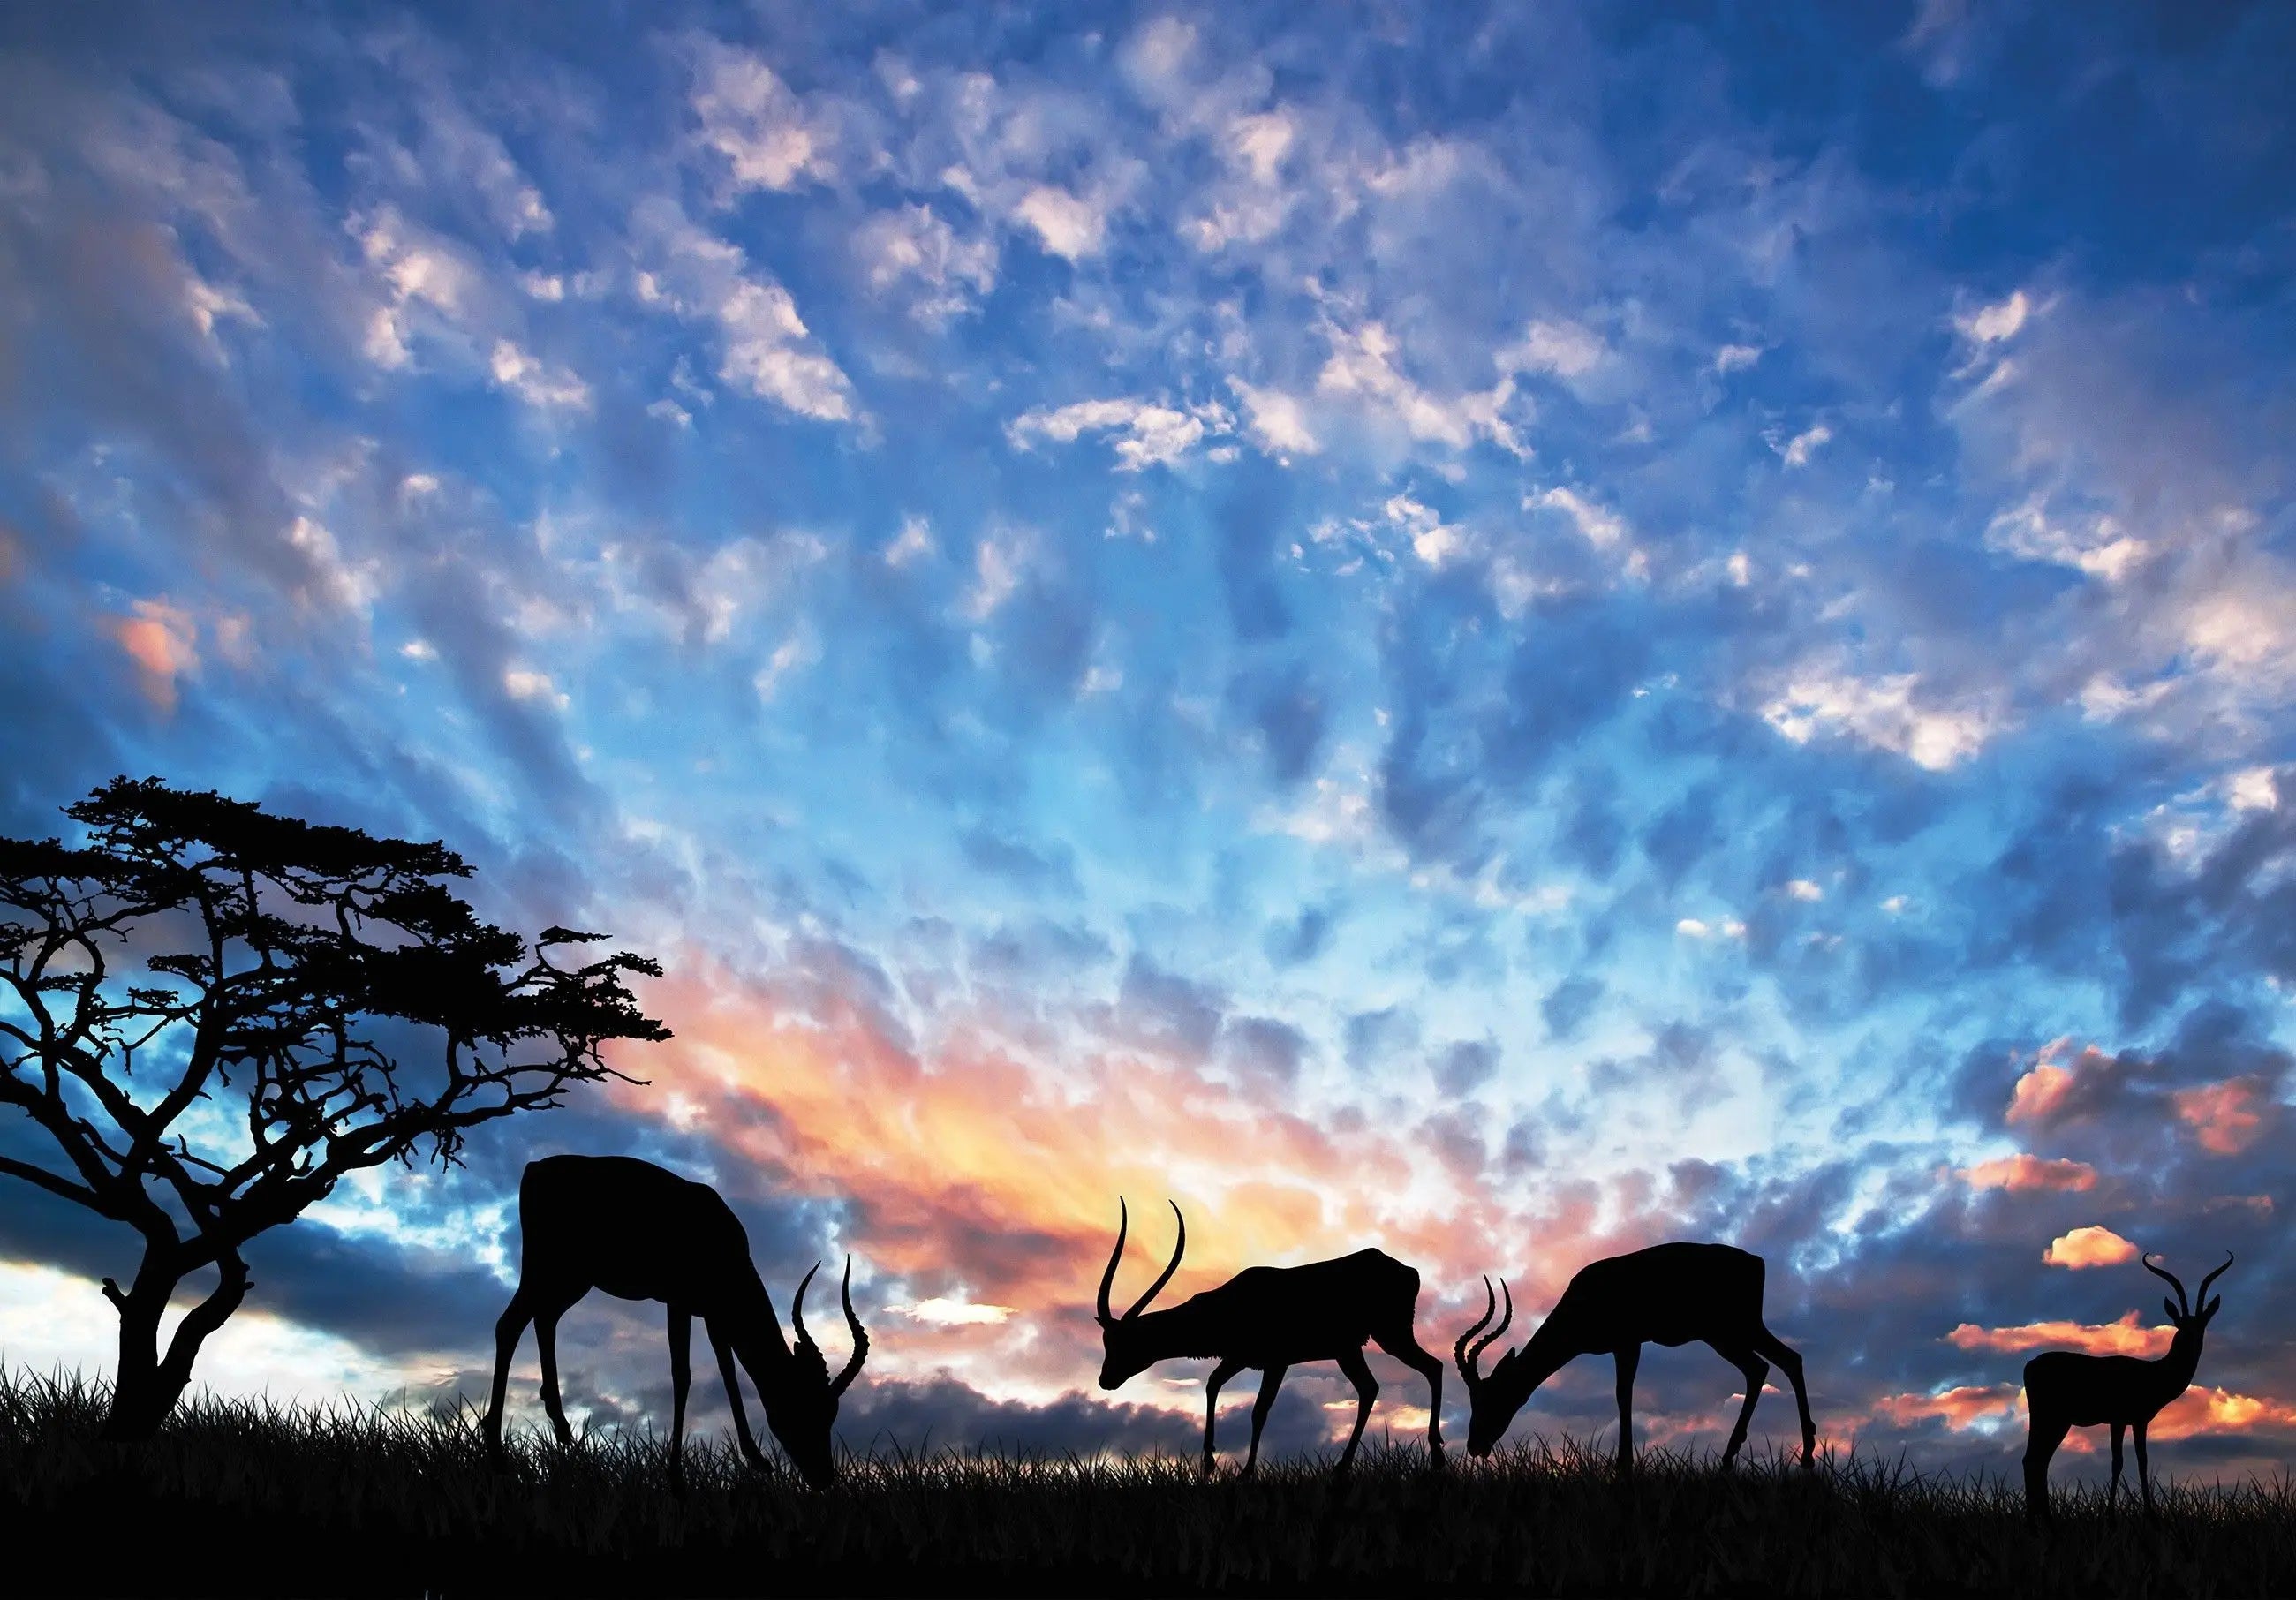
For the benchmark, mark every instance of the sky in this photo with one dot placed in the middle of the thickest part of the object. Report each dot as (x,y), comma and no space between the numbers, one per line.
(1504,634)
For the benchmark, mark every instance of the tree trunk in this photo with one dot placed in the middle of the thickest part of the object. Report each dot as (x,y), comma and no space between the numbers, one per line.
(148,1384)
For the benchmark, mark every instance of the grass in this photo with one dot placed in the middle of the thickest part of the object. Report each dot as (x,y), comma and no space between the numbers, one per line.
(246,1497)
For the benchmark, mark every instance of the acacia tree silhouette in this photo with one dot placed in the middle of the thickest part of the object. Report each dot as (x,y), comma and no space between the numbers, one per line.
(195,947)
(2071,1389)
(640,1232)
(1666,1294)
(1273,1318)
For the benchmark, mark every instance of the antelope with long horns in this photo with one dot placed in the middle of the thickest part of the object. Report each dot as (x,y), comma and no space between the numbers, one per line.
(1272,1319)
(638,1231)
(2067,1389)
(1668,1294)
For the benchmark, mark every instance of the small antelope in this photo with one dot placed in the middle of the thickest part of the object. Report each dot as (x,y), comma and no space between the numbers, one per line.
(1272,1319)
(2066,1388)
(642,1232)
(1666,1294)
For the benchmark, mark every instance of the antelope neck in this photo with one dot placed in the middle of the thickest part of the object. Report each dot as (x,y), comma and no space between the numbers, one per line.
(1175,1330)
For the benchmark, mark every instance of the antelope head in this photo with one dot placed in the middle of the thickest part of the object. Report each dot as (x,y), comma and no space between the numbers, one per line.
(2187,1320)
(1494,1397)
(801,1411)
(1124,1349)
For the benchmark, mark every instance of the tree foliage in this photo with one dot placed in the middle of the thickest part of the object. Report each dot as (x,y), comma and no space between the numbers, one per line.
(216,1013)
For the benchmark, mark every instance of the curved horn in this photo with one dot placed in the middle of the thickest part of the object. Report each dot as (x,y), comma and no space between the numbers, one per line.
(860,1339)
(2182,1304)
(1459,1356)
(1172,1267)
(1107,1279)
(2201,1295)
(1506,1297)
(797,1306)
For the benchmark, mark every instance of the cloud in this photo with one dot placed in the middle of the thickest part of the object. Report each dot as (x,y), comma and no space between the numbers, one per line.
(765,346)
(1274,420)
(1893,713)
(2125,1337)
(540,385)
(162,641)
(2023,1173)
(1150,434)
(1992,324)
(2226,1116)
(2091,1246)
(1067,224)
(1362,368)
(766,136)
(914,251)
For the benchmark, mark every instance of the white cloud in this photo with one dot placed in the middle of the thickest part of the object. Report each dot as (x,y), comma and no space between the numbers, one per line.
(1148,434)
(916,540)
(1991,325)
(1885,712)
(1432,540)
(767,349)
(2102,551)
(2256,789)
(1068,226)
(1564,348)
(769,138)
(1797,451)
(1736,358)
(544,387)
(522,683)
(1604,529)
(998,563)
(1362,365)
(912,247)
(1274,420)
(1802,888)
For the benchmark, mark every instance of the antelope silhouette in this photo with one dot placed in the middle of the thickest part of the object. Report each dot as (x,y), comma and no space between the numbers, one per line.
(639,1232)
(1273,1318)
(1666,1294)
(2068,1388)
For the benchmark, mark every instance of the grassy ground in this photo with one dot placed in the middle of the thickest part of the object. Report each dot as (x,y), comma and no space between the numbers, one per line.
(240,1499)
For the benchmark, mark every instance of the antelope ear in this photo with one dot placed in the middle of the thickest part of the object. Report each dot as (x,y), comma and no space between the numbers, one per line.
(2169,1305)
(2214,1301)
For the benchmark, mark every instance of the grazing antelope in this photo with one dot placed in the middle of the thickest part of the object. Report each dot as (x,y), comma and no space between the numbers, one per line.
(1666,1294)
(2066,1388)
(1273,1318)
(638,1231)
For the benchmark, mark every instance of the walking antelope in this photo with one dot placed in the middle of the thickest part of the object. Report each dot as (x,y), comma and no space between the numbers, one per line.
(1666,1294)
(2066,1388)
(1273,1318)
(638,1231)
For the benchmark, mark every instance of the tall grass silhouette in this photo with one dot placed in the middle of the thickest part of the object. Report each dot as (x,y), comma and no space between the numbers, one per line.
(245,1496)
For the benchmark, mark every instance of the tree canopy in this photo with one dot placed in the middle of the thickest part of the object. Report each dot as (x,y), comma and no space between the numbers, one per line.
(216,1012)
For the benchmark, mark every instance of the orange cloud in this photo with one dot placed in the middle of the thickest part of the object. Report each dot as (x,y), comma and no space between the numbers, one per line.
(1959,1409)
(162,641)
(2088,1247)
(2226,1116)
(2204,1410)
(2125,1337)
(2022,1172)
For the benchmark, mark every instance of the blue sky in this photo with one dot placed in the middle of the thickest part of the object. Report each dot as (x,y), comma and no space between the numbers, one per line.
(1507,634)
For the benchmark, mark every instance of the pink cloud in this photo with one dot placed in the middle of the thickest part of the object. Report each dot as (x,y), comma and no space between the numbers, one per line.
(1958,1408)
(2125,1337)
(2088,1247)
(2227,1116)
(162,641)
(2020,1172)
